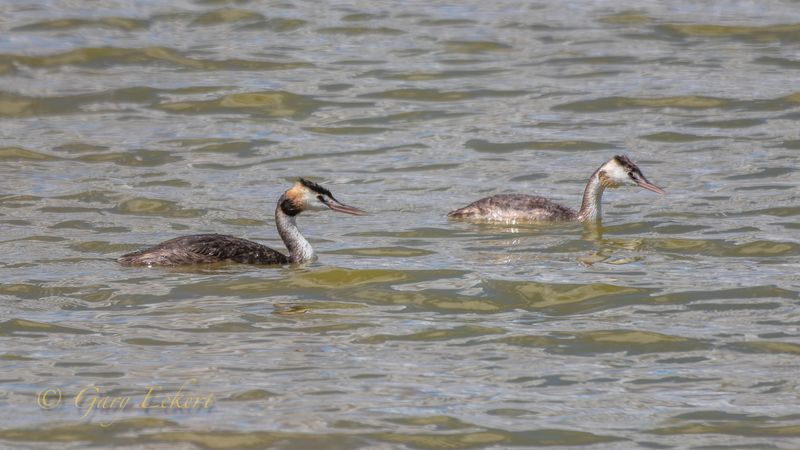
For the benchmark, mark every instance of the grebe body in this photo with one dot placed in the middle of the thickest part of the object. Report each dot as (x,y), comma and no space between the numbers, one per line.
(519,208)
(211,248)
(512,208)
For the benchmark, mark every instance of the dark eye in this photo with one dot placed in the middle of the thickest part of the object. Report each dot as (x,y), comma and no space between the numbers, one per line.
(321,199)
(632,175)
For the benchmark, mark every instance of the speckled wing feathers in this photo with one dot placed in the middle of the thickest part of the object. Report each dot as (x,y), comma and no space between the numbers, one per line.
(204,249)
(512,208)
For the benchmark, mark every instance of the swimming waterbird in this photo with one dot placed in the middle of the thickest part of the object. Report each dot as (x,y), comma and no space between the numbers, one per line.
(210,248)
(517,208)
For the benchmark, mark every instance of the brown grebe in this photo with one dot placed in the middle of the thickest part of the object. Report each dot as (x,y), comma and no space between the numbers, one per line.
(514,208)
(210,248)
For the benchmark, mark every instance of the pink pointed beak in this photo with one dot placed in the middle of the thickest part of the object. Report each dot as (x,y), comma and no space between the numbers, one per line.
(642,183)
(347,209)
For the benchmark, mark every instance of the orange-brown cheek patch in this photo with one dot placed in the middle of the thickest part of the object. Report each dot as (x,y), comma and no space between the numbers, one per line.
(296,195)
(606,182)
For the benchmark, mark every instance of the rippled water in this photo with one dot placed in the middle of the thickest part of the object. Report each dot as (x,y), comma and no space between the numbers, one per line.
(676,325)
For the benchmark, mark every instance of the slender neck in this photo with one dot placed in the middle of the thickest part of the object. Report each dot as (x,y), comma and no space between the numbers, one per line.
(299,248)
(591,209)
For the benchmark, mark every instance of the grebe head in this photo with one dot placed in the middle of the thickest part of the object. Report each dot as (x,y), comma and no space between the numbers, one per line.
(621,171)
(309,196)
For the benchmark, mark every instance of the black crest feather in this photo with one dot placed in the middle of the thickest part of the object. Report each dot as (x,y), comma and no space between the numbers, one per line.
(315,187)
(626,162)
(629,166)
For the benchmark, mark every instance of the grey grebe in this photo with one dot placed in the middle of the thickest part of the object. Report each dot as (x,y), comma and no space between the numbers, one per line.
(512,208)
(209,248)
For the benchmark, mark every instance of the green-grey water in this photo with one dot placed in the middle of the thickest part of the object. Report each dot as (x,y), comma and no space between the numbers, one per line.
(675,325)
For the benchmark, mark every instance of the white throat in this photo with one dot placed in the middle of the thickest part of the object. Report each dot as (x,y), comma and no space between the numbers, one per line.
(300,249)
(591,206)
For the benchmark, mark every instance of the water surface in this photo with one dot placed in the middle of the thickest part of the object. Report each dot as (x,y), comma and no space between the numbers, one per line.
(675,325)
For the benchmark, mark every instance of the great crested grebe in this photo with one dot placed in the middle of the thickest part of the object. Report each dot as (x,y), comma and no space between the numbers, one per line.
(513,208)
(210,248)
